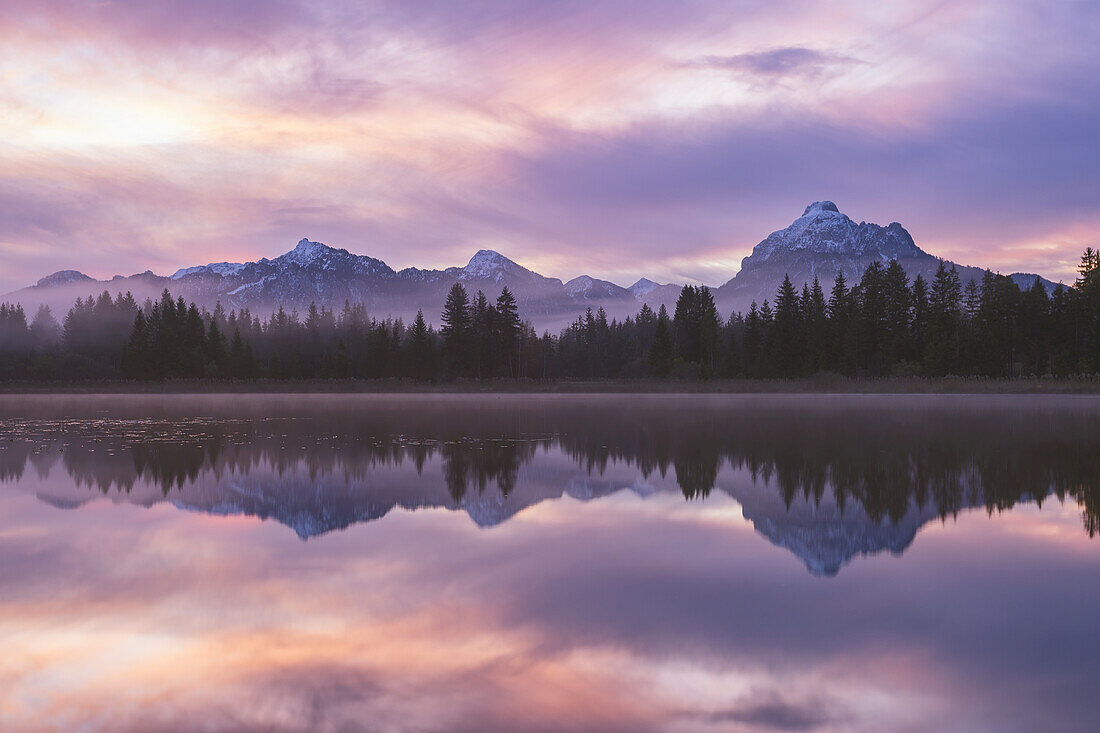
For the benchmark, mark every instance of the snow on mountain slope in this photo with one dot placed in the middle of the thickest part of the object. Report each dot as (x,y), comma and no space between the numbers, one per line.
(586,287)
(821,243)
(222,269)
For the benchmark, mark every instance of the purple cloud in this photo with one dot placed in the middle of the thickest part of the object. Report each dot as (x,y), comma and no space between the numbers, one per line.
(772,65)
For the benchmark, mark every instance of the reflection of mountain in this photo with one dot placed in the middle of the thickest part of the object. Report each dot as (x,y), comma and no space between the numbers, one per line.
(823,535)
(827,479)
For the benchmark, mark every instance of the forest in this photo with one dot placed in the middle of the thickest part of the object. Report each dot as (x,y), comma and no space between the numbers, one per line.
(884,325)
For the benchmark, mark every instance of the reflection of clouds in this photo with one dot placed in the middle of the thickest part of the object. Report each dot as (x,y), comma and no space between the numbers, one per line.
(771,711)
(615,620)
(627,612)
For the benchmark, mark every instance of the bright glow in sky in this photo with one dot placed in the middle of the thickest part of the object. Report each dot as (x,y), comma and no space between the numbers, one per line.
(617,138)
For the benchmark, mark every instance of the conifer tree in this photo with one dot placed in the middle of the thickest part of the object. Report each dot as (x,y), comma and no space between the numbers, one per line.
(945,308)
(508,331)
(786,345)
(483,337)
(421,357)
(456,331)
(815,325)
(754,343)
(919,325)
(840,318)
(660,351)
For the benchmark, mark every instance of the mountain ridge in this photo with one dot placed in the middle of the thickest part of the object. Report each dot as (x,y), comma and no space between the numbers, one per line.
(820,243)
(825,241)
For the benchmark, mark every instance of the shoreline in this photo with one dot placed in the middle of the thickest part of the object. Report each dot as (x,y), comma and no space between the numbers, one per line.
(812,385)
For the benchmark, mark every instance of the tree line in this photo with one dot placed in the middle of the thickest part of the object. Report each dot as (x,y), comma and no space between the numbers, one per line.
(883,325)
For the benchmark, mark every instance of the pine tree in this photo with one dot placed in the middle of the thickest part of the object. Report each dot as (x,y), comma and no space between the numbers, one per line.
(815,325)
(44,329)
(135,354)
(238,369)
(1035,330)
(788,330)
(972,297)
(708,324)
(1088,286)
(214,351)
(918,327)
(456,331)
(754,343)
(421,356)
(840,330)
(508,330)
(898,314)
(685,327)
(660,351)
(483,336)
(945,310)
(646,323)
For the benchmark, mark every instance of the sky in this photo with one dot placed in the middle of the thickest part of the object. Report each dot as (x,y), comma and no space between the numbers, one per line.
(618,139)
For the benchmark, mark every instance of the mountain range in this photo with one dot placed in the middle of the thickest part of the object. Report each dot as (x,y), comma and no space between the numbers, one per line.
(820,243)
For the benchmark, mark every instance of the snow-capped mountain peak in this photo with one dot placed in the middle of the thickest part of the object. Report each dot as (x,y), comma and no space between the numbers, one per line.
(579,285)
(823,229)
(486,262)
(307,252)
(823,242)
(642,287)
(825,208)
(587,287)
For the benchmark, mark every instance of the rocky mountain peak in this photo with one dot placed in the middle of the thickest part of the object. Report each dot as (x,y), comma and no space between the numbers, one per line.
(488,264)
(823,229)
(307,252)
(821,207)
(62,277)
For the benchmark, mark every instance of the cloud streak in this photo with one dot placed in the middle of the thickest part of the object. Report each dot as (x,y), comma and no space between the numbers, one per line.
(773,65)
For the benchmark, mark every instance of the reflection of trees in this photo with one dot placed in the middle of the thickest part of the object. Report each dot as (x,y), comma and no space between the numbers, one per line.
(696,470)
(13,461)
(478,464)
(884,455)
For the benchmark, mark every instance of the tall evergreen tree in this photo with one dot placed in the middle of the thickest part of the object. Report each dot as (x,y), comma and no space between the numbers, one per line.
(919,325)
(786,346)
(421,356)
(660,351)
(456,331)
(840,350)
(945,312)
(815,326)
(508,332)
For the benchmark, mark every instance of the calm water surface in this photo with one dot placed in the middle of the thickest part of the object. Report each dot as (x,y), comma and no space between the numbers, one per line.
(337,563)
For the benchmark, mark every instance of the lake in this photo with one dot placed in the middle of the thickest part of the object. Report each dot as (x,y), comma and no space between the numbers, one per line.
(566,562)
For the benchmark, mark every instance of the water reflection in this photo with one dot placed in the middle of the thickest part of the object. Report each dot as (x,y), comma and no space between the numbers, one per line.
(827,478)
(601,599)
